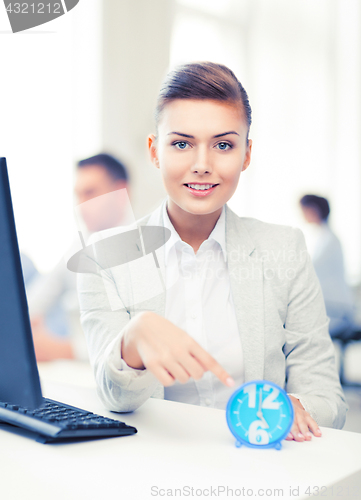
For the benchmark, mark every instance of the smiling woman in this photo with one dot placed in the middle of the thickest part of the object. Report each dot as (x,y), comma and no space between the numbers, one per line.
(242,301)
(201,148)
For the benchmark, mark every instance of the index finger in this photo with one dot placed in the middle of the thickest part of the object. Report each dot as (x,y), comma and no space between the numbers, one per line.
(210,364)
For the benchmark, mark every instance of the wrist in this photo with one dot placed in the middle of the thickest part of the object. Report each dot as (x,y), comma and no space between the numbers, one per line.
(128,348)
(295,401)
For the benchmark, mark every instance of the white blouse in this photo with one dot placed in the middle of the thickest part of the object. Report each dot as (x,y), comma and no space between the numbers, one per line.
(200,302)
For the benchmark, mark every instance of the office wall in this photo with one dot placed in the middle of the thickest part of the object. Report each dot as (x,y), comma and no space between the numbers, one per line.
(88,81)
(136,39)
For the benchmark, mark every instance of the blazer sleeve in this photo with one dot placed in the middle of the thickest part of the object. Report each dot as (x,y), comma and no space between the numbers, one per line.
(121,389)
(311,373)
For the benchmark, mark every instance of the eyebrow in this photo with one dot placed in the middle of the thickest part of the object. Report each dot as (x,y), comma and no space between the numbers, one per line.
(214,137)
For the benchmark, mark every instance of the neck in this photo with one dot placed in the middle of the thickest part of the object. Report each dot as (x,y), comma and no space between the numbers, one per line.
(192,228)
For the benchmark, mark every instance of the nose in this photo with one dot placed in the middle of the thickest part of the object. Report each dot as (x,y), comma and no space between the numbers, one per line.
(202,163)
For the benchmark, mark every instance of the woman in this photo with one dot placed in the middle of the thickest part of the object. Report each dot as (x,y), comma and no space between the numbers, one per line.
(246,303)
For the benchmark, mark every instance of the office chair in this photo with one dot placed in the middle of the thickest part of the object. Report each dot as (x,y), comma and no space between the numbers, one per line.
(345,339)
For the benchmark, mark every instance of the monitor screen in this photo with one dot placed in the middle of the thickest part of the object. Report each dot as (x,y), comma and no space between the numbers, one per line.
(19,378)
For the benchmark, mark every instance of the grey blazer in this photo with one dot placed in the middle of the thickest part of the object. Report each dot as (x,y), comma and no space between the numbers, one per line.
(279,307)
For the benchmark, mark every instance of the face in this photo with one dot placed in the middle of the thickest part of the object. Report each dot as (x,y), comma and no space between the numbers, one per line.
(311,215)
(102,212)
(201,150)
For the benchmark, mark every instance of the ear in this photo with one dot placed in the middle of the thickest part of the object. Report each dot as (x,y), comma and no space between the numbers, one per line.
(152,148)
(247,159)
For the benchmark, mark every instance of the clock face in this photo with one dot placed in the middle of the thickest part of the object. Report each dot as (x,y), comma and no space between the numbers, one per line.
(259,414)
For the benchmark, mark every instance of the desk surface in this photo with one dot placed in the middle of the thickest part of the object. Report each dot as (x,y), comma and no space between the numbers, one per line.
(178,447)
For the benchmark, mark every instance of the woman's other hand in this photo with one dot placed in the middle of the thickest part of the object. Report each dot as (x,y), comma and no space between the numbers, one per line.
(303,423)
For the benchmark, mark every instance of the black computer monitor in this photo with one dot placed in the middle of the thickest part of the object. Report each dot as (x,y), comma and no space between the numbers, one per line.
(19,377)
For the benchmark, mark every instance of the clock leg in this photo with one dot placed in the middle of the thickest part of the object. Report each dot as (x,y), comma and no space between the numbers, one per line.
(278,446)
(238,444)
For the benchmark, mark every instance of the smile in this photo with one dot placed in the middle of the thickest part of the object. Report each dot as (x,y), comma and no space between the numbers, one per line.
(201,189)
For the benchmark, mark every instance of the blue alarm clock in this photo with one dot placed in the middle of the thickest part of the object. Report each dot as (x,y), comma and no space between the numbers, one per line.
(259,414)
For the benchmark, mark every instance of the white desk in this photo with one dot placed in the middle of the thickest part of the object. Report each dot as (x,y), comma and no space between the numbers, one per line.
(178,446)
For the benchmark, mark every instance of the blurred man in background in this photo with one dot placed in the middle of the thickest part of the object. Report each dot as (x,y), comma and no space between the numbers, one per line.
(327,257)
(52,298)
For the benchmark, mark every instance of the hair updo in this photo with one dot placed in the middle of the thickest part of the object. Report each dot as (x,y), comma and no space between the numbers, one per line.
(203,80)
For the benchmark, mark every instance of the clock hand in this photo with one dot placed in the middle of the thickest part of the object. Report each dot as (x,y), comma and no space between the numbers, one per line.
(266,426)
(259,413)
(261,417)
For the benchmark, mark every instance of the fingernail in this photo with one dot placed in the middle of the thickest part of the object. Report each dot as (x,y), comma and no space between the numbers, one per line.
(319,432)
(230,382)
(290,436)
(301,435)
(308,434)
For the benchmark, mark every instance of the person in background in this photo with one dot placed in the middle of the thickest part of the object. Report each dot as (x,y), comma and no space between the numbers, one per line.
(29,270)
(62,336)
(327,257)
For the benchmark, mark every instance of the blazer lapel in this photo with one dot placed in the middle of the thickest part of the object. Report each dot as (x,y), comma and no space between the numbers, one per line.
(156,219)
(143,275)
(157,304)
(246,278)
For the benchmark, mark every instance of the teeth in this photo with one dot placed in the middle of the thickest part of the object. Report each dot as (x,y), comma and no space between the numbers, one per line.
(200,187)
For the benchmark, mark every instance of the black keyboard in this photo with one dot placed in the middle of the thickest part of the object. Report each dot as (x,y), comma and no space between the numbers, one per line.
(54,421)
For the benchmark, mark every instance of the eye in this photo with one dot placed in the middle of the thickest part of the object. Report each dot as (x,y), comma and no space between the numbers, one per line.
(180,144)
(223,146)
